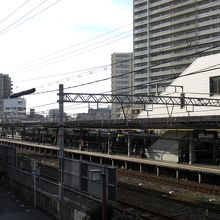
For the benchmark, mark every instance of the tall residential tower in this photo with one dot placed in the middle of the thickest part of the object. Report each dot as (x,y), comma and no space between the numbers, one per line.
(168,36)
(122,78)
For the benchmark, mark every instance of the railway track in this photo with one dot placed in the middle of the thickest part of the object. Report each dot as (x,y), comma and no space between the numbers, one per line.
(187,185)
(140,213)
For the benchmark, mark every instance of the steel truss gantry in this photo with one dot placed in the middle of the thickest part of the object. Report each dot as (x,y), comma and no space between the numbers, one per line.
(140,99)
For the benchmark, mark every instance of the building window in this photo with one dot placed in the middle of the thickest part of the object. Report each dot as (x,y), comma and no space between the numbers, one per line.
(214,83)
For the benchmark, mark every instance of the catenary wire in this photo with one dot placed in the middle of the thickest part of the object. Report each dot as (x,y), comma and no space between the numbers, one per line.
(146,68)
(33,9)
(13,12)
(167,16)
(72,46)
(64,73)
(61,58)
(6,31)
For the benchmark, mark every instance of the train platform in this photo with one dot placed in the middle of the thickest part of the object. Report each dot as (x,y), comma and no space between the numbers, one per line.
(198,172)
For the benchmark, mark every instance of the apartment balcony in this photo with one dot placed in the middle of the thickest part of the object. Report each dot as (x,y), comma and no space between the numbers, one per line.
(208,32)
(187,61)
(160,33)
(141,30)
(137,2)
(160,25)
(141,91)
(140,53)
(136,9)
(153,4)
(166,73)
(144,82)
(207,23)
(172,23)
(141,15)
(162,57)
(140,23)
(141,67)
(141,45)
(207,14)
(140,38)
(158,11)
(142,77)
(138,61)
(165,40)
(183,4)
(183,28)
(173,13)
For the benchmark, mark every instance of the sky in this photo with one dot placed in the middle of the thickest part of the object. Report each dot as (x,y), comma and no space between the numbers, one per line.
(48,42)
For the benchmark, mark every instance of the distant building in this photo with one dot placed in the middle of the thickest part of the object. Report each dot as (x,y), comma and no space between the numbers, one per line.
(83,117)
(5,88)
(100,113)
(168,35)
(35,117)
(95,114)
(53,115)
(14,109)
(130,112)
(122,78)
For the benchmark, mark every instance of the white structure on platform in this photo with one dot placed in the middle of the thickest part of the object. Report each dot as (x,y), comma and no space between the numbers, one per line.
(200,80)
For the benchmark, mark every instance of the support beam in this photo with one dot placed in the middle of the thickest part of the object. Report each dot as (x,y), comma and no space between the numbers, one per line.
(140,99)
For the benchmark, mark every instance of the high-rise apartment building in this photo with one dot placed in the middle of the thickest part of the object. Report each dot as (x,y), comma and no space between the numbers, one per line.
(5,88)
(168,36)
(122,78)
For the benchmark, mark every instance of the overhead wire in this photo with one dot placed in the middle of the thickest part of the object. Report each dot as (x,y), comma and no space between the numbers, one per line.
(14,11)
(167,16)
(70,47)
(133,71)
(146,68)
(7,29)
(65,73)
(61,58)
(33,9)
(195,72)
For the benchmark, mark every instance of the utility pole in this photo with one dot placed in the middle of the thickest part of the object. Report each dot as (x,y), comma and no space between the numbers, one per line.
(61,147)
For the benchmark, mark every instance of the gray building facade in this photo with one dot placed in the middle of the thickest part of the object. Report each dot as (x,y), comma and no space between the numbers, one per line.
(168,36)
(121,78)
(5,88)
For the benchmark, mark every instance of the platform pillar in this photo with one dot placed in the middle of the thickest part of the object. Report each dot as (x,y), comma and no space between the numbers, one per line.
(90,158)
(80,156)
(200,178)
(126,165)
(141,168)
(112,162)
(192,154)
(100,161)
(158,171)
(129,145)
(177,174)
